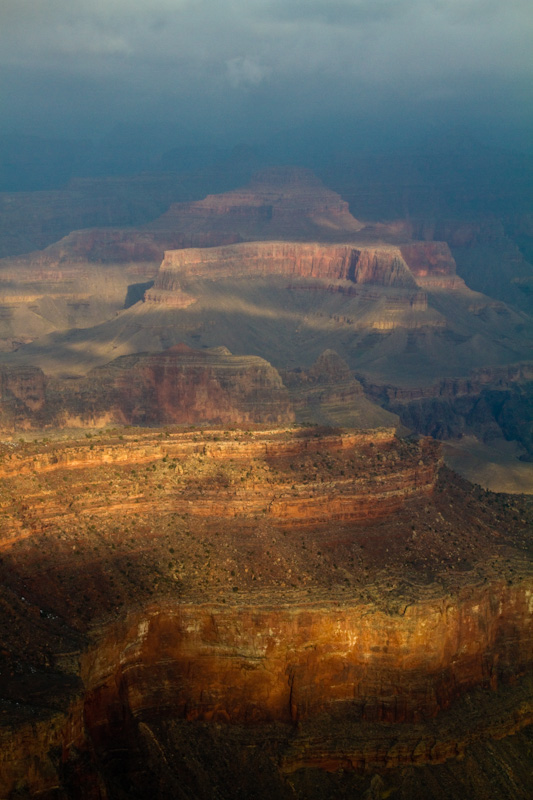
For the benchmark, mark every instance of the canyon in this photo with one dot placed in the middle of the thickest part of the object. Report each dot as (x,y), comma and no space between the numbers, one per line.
(233,563)
(313,600)
(183,385)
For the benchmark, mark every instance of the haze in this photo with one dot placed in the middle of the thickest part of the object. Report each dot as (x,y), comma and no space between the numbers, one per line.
(296,76)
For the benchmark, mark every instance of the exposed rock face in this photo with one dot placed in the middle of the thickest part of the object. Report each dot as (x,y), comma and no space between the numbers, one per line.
(279,202)
(24,388)
(328,393)
(375,265)
(342,639)
(334,268)
(339,499)
(289,664)
(82,280)
(187,386)
(87,277)
(432,264)
(180,385)
(489,403)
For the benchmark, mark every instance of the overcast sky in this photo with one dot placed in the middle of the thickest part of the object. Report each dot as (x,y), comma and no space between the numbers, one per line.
(238,70)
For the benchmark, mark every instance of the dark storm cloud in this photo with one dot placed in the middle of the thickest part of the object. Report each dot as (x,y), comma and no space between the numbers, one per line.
(232,64)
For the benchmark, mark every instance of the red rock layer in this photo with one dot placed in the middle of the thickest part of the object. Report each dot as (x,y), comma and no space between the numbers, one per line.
(179,385)
(287,664)
(383,265)
(432,264)
(352,637)
(376,492)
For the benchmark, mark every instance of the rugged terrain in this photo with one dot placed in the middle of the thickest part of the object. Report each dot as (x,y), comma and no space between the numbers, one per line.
(184,611)
(91,274)
(184,385)
(397,314)
(238,271)
(254,606)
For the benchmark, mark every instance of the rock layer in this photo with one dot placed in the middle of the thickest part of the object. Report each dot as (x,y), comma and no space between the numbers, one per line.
(379,265)
(326,592)
(180,385)
(279,202)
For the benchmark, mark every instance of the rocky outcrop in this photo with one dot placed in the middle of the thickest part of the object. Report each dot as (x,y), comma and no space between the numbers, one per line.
(145,588)
(178,386)
(479,379)
(328,393)
(376,492)
(279,202)
(489,404)
(380,668)
(380,265)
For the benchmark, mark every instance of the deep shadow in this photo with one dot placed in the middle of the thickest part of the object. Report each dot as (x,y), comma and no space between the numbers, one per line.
(136,292)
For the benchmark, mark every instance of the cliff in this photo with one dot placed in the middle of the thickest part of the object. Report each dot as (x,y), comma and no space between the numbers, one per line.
(432,264)
(382,265)
(331,600)
(489,403)
(177,386)
(279,202)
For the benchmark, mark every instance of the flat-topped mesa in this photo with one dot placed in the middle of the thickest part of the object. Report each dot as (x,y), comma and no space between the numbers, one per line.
(379,265)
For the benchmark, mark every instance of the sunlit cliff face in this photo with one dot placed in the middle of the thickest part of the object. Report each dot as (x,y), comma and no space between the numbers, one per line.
(344,588)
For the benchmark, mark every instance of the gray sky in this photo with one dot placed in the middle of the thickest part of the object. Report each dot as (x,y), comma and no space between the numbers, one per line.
(241,69)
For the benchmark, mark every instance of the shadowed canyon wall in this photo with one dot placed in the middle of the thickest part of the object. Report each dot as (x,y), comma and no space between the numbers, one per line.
(333,594)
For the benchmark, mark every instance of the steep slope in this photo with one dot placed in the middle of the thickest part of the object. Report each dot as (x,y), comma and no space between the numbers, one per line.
(335,601)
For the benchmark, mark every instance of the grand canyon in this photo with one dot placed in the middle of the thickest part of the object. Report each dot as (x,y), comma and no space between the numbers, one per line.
(265,510)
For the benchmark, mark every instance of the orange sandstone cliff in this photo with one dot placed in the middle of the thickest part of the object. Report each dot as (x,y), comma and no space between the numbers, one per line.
(304,599)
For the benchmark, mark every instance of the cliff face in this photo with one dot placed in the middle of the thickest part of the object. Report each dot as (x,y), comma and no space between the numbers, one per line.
(432,264)
(490,403)
(327,596)
(382,266)
(287,665)
(279,202)
(187,386)
(341,498)
(180,385)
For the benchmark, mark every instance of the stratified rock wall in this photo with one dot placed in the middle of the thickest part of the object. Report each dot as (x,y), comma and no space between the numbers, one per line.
(180,385)
(381,265)
(285,664)
(336,597)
